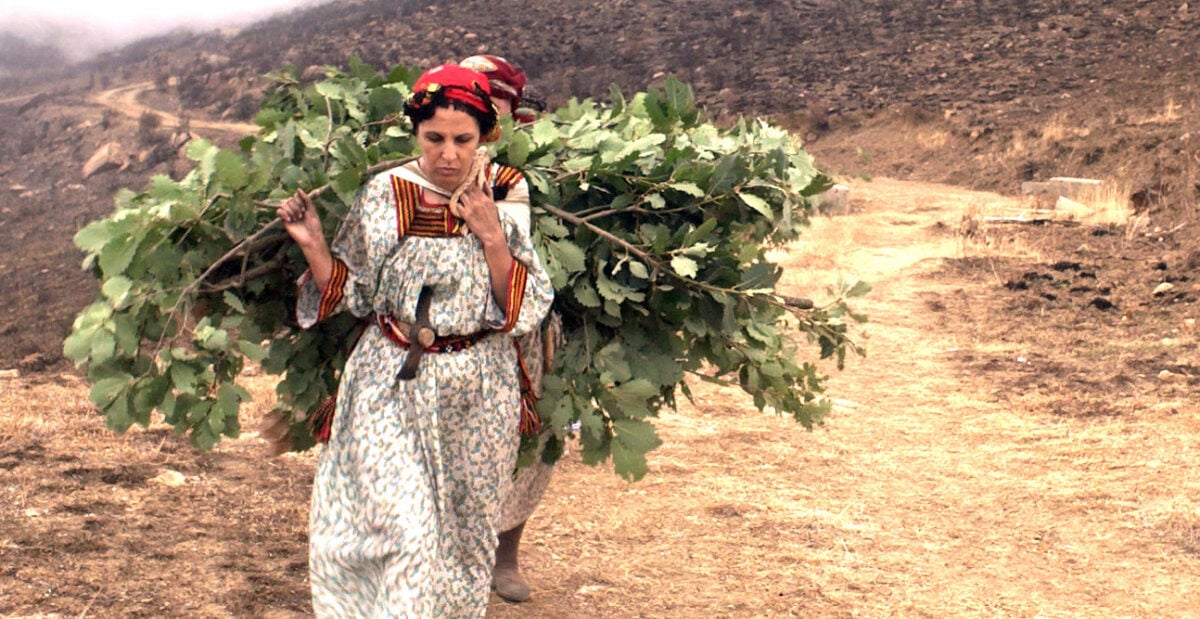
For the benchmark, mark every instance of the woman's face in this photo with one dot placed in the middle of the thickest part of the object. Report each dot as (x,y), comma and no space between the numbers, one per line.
(448,141)
(503,106)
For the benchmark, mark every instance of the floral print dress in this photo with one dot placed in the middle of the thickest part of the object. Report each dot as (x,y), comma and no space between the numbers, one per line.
(407,493)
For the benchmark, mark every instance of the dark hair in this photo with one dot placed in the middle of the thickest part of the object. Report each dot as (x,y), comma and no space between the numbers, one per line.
(422,106)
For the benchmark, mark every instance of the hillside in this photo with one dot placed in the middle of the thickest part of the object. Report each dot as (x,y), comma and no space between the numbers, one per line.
(1020,440)
(961,92)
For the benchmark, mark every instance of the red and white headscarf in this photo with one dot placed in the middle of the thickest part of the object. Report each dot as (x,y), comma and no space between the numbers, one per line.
(505,79)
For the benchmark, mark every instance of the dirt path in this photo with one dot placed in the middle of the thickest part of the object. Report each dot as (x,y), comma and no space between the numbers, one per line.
(923,496)
(124,99)
(929,493)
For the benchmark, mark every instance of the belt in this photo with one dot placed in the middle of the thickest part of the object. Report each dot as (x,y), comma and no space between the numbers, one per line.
(419,337)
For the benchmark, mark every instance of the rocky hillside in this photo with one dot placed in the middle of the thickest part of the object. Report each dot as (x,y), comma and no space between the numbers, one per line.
(979,94)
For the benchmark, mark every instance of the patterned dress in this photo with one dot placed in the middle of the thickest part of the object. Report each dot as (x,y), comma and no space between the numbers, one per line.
(531,482)
(407,493)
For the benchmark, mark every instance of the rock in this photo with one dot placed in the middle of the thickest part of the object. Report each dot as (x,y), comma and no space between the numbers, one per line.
(169,478)
(1062,186)
(835,201)
(312,73)
(1070,209)
(107,157)
(1163,288)
(10,373)
(35,362)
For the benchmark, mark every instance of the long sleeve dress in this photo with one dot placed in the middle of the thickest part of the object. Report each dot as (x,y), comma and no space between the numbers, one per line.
(407,493)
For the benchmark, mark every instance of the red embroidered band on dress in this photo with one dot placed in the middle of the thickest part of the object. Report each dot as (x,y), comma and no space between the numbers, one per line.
(407,196)
(506,176)
(331,297)
(517,274)
(531,422)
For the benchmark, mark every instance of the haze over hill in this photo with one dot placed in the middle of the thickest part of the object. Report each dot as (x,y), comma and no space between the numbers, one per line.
(47,35)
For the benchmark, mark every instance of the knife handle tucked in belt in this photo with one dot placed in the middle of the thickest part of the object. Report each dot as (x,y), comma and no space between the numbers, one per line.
(420,335)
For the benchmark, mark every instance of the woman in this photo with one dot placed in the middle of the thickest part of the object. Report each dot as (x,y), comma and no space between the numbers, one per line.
(508,90)
(408,489)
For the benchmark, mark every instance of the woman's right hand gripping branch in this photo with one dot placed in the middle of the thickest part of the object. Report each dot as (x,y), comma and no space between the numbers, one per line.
(303,224)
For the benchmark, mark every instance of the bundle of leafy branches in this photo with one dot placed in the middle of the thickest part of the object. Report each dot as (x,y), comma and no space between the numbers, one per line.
(653,222)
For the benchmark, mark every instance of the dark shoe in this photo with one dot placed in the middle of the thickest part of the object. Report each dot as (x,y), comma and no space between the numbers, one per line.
(509,584)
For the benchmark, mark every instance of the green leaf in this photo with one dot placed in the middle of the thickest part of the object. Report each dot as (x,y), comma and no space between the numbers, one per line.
(230,397)
(229,170)
(633,396)
(756,203)
(585,294)
(78,346)
(691,189)
(117,289)
(637,435)
(568,254)
(104,346)
(632,440)
(859,289)
(519,147)
(184,377)
(233,302)
(93,236)
(684,266)
(117,254)
(252,351)
(544,132)
(106,390)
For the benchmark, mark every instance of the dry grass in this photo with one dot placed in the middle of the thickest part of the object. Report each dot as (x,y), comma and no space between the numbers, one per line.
(932,491)
(1170,113)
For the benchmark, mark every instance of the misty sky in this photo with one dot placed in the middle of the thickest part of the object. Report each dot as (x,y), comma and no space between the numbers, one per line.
(87,26)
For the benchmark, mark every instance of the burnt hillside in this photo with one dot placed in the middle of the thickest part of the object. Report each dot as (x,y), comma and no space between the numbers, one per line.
(983,95)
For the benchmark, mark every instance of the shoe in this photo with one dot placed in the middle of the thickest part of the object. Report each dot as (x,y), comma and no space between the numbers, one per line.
(509,584)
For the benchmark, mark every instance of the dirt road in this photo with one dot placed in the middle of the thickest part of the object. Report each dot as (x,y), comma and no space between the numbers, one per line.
(124,99)
(929,492)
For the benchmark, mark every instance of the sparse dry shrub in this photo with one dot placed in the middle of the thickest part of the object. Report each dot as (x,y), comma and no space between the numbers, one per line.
(148,125)
(1055,129)
(162,81)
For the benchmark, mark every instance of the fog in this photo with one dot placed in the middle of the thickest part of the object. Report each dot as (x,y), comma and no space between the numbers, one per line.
(83,28)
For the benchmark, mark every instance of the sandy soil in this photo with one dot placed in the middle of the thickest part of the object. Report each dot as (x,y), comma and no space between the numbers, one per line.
(939,487)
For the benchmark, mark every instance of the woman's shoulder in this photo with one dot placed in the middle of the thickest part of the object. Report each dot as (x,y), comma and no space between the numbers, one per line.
(505,175)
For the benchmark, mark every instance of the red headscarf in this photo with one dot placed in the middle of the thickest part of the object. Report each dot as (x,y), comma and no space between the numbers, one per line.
(460,84)
(506,80)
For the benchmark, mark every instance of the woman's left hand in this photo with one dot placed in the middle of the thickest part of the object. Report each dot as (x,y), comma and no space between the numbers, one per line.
(481,215)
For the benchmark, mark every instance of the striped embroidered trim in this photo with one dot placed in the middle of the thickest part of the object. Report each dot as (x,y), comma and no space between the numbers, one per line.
(331,297)
(407,196)
(505,176)
(436,220)
(517,275)
(416,216)
(530,423)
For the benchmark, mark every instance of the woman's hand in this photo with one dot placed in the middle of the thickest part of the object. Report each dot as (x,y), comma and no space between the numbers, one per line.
(301,221)
(477,208)
(482,216)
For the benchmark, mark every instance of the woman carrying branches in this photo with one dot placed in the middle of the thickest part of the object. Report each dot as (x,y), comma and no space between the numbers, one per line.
(508,91)
(408,489)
